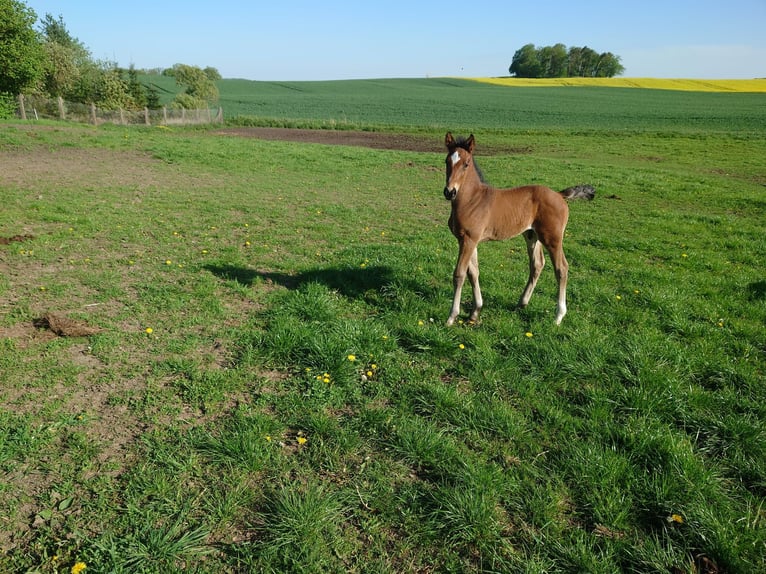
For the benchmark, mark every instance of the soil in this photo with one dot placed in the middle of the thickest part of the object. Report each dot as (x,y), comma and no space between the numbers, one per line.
(375,140)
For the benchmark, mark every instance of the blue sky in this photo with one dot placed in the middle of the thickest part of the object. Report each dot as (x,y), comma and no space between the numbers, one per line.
(316,40)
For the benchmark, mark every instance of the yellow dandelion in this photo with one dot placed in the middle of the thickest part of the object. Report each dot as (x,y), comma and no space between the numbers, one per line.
(420,323)
(373,366)
(677,518)
(149,330)
(461,346)
(168,262)
(268,438)
(684,255)
(78,567)
(528,334)
(619,297)
(351,358)
(301,440)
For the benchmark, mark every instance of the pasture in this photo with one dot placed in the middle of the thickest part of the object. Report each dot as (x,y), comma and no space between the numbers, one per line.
(220,353)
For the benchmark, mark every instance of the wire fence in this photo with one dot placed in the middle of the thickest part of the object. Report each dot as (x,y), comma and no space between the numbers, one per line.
(37,108)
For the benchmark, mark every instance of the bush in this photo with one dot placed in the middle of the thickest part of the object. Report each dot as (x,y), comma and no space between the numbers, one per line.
(7,106)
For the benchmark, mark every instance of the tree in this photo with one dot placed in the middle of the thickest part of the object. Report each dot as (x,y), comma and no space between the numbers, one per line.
(526,63)
(609,65)
(21,54)
(199,88)
(558,62)
(553,61)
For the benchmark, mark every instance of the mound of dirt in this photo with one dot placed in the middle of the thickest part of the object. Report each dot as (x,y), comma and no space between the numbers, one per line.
(15,239)
(64,326)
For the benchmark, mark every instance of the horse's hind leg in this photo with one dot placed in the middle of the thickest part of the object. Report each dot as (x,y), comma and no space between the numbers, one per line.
(562,273)
(536,264)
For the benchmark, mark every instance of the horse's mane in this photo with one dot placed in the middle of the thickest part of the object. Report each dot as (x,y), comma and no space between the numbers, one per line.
(462,142)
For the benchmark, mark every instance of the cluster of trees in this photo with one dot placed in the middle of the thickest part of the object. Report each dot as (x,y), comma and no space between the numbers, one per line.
(559,62)
(48,60)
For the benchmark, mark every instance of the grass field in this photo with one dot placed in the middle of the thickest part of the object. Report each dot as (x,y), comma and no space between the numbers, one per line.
(253,374)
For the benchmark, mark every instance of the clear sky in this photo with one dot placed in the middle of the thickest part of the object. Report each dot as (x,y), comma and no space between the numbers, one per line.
(344,39)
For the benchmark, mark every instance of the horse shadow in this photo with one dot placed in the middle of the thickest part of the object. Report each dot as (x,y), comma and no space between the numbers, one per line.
(349,282)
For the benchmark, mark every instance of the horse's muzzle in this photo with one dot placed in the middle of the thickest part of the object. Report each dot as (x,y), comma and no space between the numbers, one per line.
(450,194)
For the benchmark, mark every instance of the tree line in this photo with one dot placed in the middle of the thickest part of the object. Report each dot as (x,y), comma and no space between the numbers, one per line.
(557,61)
(49,61)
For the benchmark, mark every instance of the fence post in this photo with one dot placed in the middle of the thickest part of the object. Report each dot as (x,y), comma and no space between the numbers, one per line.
(164,115)
(146,116)
(93,114)
(122,117)
(21,107)
(219,117)
(61,108)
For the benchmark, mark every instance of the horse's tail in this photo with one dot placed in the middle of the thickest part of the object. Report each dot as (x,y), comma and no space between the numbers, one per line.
(579,192)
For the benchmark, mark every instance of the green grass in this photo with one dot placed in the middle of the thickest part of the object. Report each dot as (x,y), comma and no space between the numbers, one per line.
(299,406)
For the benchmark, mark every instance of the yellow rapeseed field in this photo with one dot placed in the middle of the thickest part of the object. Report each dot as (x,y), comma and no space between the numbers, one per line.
(756,85)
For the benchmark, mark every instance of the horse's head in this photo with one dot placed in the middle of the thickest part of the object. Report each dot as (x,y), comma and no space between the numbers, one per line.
(458,162)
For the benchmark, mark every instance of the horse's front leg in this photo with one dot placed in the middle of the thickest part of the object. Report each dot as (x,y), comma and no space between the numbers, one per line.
(467,263)
(473,277)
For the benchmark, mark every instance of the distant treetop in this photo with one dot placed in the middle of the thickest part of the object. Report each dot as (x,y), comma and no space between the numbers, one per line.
(558,62)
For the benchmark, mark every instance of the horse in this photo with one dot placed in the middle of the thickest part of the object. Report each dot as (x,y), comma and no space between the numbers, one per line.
(483,213)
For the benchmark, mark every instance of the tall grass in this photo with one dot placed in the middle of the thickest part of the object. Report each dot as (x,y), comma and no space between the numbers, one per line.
(272,387)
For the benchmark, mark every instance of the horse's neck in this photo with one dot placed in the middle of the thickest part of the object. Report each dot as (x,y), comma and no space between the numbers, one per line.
(477,192)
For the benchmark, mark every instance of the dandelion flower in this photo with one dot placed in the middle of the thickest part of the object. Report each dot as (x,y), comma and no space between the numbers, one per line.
(420,323)
(78,567)
(352,358)
(168,262)
(461,346)
(619,297)
(528,334)
(301,440)
(677,518)
(149,330)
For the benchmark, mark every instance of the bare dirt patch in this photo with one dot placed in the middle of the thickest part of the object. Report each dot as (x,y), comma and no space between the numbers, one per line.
(374,140)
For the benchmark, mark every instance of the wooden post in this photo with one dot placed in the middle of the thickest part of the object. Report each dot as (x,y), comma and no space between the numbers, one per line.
(122,117)
(146,116)
(164,115)
(93,114)
(219,117)
(21,107)
(60,101)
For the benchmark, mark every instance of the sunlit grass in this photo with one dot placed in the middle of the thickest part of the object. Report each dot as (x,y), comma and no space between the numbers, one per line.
(283,395)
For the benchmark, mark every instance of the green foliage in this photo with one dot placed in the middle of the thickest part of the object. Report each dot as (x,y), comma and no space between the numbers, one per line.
(7,106)
(21,56)
(198,87)
(556,62)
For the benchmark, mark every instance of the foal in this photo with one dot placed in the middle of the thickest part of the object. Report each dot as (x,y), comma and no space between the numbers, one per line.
(482,213)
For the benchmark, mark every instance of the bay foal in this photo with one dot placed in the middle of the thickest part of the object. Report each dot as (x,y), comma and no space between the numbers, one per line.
(483,213)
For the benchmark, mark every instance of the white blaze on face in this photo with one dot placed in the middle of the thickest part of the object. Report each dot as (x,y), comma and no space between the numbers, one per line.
(455,157)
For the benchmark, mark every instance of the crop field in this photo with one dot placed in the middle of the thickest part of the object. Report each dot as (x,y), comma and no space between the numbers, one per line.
(222,353)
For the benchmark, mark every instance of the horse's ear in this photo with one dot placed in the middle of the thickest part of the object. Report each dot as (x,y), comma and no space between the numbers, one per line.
(449,141)
(470,142)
